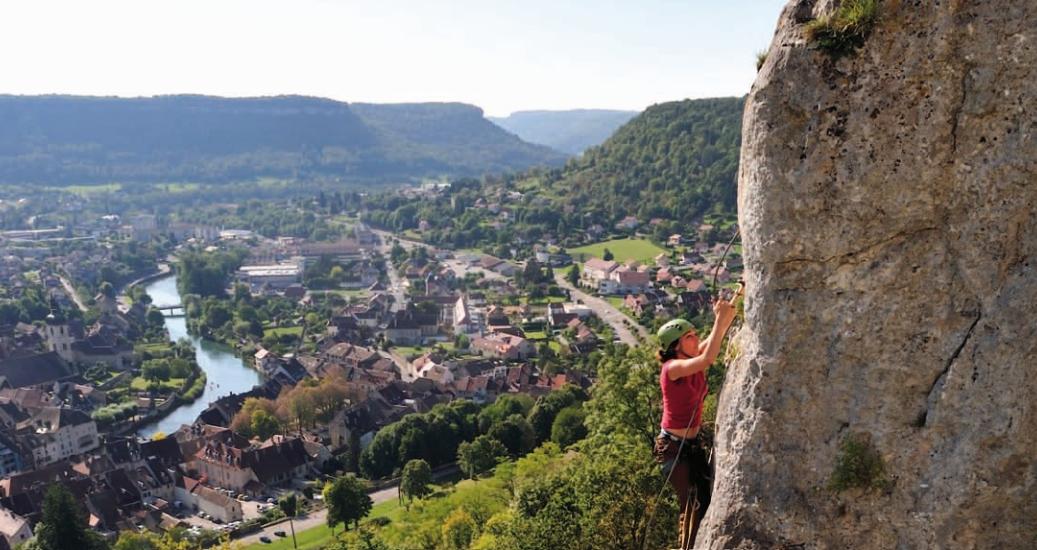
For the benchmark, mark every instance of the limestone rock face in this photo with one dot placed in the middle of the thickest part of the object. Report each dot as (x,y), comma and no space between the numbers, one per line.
(888,206)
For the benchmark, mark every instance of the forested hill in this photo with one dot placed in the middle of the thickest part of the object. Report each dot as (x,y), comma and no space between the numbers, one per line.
(569,131)
(68,139)
(675,161)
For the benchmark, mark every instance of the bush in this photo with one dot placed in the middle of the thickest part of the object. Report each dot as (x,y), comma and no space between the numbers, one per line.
(845,30)
(859,465)
(196,389)
(761,58)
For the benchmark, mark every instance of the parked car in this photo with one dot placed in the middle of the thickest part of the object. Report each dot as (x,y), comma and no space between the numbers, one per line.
(265,540)
(281,533)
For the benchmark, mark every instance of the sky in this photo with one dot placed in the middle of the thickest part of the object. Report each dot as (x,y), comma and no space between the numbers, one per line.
(503,56)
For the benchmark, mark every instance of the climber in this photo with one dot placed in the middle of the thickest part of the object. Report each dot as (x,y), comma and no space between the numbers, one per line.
(678,448)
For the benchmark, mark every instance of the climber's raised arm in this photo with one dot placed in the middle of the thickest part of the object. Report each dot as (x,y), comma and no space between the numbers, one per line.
(707,352)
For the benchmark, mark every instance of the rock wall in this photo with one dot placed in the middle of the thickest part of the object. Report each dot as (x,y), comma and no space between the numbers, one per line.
(887,206)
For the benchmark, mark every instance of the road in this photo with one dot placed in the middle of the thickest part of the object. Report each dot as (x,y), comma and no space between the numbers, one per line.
(404,366)
(615,318)
(72,293)
(395,284)
(319,517)
(461,268)
(123,300)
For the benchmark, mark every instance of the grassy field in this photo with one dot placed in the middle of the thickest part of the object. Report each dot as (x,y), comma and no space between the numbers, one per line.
(320,536)
(641,250)
(545,300)
(140,384)
(293,331)
(90,189)
(154,348)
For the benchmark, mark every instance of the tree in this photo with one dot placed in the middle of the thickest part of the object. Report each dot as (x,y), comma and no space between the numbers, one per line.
(155,369)
(155,317)
(414,483)
(289,504)
(458,530)
(502,408)
(480,455)
(515,434)
(347,501)
(264,425)
(107,290)
(216,315)
(63,525)
(573,275)
(568,427)
(546,408)
(607,255)
(132,540)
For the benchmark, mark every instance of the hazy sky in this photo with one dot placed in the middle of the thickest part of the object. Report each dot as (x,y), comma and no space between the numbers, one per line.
(500,55)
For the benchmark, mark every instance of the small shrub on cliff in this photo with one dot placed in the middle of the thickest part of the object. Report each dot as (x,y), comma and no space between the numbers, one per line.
(859,465)
(845,30)
(761,58)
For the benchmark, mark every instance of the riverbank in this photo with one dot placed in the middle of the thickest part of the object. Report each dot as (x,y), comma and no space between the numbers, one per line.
(225,372)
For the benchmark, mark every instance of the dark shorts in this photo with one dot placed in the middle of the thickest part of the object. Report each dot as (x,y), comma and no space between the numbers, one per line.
(693,455)
(692,452)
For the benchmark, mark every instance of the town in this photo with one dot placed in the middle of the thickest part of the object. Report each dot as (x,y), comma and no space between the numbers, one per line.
(347,334)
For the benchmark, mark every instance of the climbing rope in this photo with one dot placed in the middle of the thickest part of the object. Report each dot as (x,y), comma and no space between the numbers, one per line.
(693,497)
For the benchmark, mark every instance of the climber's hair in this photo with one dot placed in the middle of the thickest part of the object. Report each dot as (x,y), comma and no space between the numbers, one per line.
(664,355)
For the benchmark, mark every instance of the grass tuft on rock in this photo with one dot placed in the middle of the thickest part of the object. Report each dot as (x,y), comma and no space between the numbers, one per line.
(842,32)
(858,466)
(761,58)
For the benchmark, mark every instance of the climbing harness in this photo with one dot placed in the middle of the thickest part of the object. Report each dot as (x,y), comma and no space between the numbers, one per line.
(693,495)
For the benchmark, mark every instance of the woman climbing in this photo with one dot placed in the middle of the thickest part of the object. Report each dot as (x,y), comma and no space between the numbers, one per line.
(684,360)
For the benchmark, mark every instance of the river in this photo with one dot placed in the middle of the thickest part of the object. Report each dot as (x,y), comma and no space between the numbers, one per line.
(226,372)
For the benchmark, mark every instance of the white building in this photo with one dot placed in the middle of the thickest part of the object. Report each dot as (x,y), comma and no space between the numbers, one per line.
(14,528)
(273,276)
(210,501)
(437,372)
(58,433)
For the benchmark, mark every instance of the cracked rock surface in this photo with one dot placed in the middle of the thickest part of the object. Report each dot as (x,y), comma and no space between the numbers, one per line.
(888,206)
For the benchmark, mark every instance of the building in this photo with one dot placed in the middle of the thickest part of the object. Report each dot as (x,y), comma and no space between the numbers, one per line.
(505,346)
(596,271)
(251,470)
(11,456)
(625,281)
(271,276)
(56,433)
(628,223)
(466,318)
(14,528)
(205,499)
(31,370)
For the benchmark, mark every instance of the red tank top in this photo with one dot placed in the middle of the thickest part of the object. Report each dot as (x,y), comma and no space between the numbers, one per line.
(682,398)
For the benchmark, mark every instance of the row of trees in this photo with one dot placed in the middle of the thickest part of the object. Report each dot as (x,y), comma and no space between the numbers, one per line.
(477,438)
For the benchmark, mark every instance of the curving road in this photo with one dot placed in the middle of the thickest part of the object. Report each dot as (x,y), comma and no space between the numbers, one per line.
(615,318)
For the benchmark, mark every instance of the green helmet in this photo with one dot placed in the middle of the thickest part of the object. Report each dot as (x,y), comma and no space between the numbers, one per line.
(671,331)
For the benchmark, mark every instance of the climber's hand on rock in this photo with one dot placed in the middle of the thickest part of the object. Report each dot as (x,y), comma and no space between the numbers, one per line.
(723,310)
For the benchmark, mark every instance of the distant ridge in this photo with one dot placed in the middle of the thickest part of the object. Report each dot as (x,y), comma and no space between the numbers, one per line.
(58,139)
(570,131)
